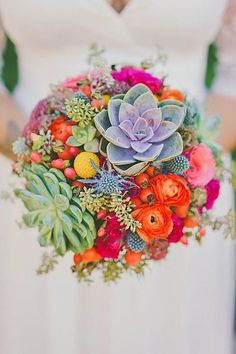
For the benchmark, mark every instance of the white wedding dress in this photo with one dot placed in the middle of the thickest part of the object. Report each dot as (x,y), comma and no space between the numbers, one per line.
(185,304)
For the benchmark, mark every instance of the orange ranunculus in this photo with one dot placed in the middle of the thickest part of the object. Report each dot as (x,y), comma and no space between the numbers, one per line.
(170,190)
(156,222)
(170,94)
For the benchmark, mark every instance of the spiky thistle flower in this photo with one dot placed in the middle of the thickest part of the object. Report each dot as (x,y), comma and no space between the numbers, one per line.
(82,96)
(80,111)
(179,164)
(20,148)
(107,181)
(134,242)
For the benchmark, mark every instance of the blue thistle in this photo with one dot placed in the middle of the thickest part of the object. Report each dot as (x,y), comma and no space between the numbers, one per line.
(134,242)
(107,181)
(82,96)
(179,164)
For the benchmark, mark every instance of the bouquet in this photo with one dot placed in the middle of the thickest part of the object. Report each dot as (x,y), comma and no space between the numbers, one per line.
(116,168)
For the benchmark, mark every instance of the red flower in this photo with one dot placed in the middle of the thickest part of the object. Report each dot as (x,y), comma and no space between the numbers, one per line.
(213,190)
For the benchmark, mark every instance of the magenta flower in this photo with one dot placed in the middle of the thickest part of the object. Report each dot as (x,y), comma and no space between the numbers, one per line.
(135,76)
(212,190)
(109,246)
(177,231)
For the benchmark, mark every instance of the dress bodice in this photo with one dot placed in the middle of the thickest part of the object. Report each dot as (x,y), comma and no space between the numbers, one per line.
(53,37)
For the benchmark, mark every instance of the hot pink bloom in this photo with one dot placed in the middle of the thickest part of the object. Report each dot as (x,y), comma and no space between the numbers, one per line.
(136,76)
(177,231)
(213,190)
(109,245)
(202,165)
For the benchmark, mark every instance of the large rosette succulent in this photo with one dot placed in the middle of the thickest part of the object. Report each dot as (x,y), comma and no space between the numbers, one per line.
(136,130)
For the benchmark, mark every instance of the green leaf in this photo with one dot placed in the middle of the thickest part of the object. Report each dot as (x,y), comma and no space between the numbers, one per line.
(71,141)
(51,183)
(58,174)
(58,238)
(45,236)
(31,219)
(212,64)
(66,190)
(62,203)
(10,69)
(65,220)
(76,213)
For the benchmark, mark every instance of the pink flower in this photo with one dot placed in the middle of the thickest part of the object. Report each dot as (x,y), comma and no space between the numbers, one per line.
(109,245)
(177,231)
(136,76)
(72,82)
(202,165)
(213,190)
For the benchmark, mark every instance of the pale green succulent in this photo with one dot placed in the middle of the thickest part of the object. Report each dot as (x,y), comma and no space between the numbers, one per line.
(60,217)
(84,136)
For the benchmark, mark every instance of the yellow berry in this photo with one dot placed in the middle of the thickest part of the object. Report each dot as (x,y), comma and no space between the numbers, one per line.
(106,99)
(83,166)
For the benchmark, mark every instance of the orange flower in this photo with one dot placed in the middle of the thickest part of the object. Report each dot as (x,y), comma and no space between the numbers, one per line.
(156,222)
(171,190)
(170,94)
(91,255)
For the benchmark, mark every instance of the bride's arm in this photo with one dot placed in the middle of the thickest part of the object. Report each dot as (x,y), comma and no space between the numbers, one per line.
(11,118)
(222,100)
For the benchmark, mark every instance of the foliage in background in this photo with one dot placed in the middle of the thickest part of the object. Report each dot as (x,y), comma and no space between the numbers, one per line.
(10,71)
(211,68)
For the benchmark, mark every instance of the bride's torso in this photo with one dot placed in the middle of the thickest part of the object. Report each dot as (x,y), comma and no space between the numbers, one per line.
(53,37)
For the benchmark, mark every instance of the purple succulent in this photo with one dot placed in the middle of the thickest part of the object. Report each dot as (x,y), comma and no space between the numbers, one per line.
(137,131)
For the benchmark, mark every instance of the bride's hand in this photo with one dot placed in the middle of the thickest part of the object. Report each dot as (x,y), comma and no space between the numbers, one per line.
(11,124)
(225,108)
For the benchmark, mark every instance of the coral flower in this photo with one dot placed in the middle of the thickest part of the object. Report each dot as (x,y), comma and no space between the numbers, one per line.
(156,222)
(170,94)
(202,164)
(170,190)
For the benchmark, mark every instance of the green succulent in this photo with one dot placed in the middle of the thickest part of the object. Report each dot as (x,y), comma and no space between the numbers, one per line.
(84,136)
(59,216)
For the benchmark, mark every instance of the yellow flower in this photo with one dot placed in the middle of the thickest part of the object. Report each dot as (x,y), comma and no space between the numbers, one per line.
(83,166)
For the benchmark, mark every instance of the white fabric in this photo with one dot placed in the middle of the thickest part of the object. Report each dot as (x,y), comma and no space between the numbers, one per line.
(226,43)
(184,304)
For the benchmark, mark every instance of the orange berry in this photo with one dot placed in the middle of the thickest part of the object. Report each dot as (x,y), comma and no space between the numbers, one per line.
(97,103)
(182,210)
(191,222)
(101,232)
(147,195)
(142,180)
(152,171)
(77,258)
(133,258)
(184,240)
(202,232)
(91,255)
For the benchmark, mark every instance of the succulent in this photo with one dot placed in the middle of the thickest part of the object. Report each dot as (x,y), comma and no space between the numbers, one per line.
(84,136)
(137,131)
(20,149)
(178,164)
(80,111)
(107,181)
(60,217)
(134,242)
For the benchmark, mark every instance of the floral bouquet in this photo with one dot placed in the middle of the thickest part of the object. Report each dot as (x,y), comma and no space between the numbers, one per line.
(116,167)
